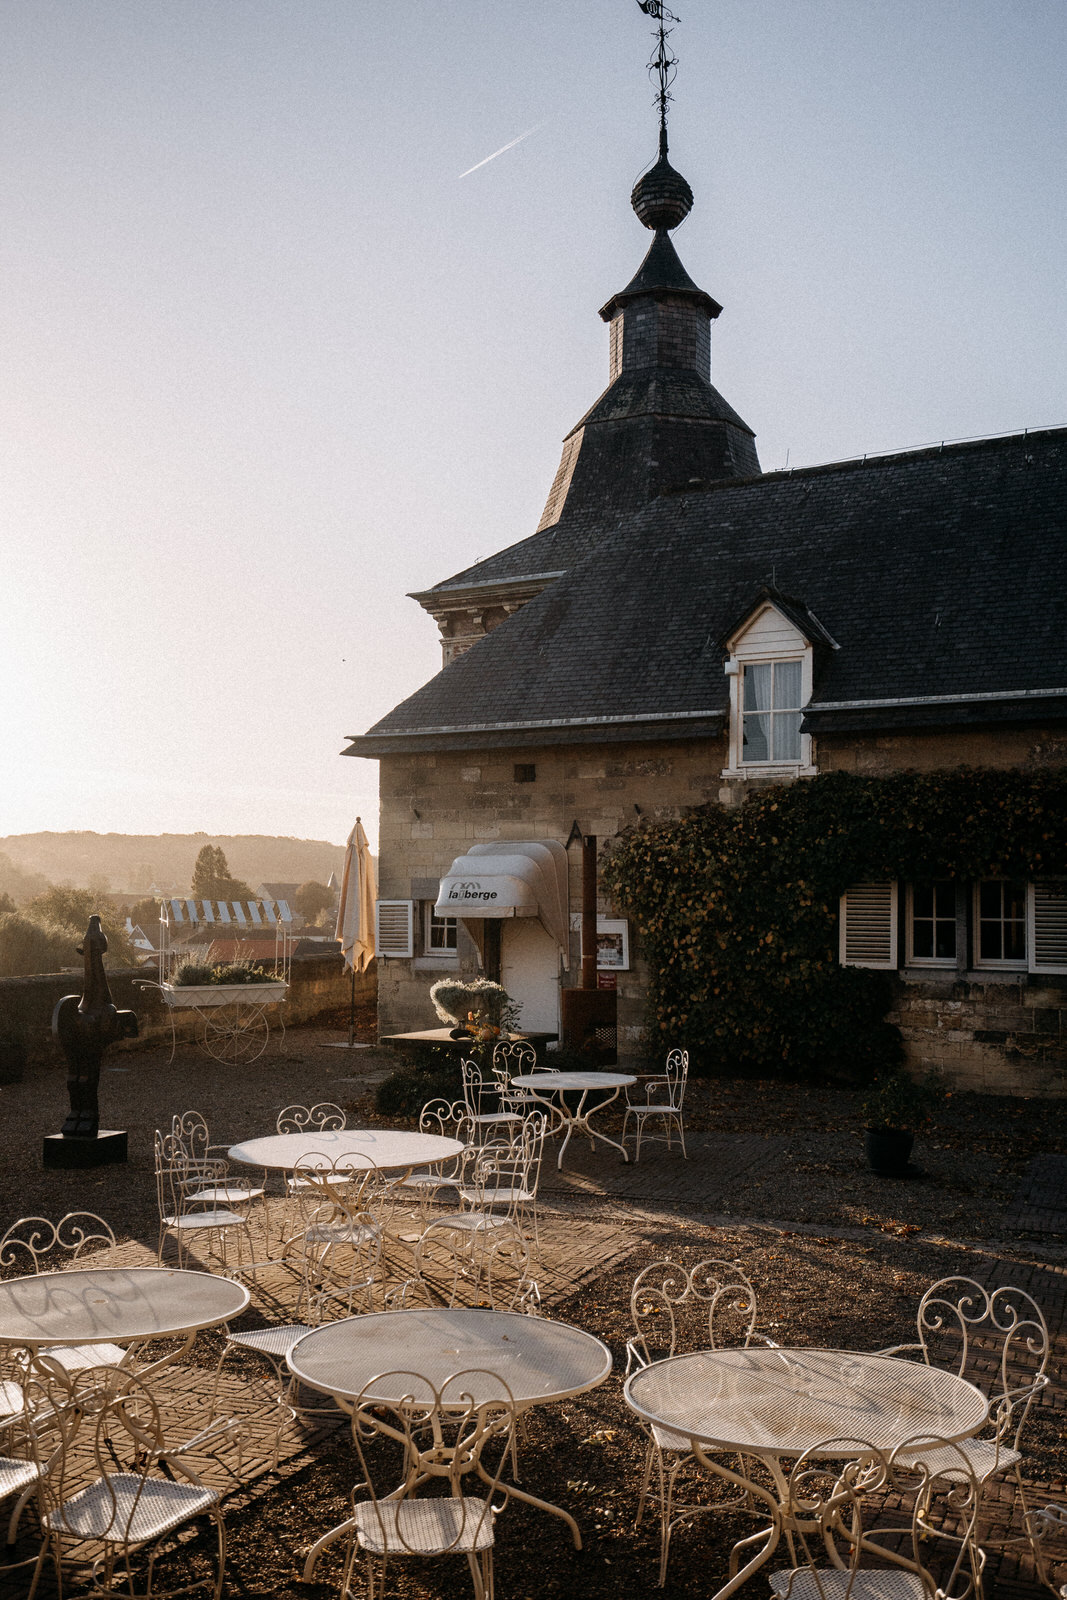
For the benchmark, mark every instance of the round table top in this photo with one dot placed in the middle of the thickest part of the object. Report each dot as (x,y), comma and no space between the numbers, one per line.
(539,1360)
(93,1305)
(575,1080)
(783,1402)
(346,1147)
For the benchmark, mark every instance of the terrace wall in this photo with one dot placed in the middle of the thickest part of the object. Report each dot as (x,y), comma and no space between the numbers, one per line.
(320,988)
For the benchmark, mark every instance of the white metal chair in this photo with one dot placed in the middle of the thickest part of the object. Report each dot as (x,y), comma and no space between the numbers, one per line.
(184,1212)
(515,1058)
(503,1180)
(450,1121)
(852,1517)
(972,1330)
(341,1249)
(34,1245)
(490,1268)
(658,1097)
(141,1493)
(190,1133)
(31,1440)
(322,1118)
(428,1438)
(713,1304)
(482,1098)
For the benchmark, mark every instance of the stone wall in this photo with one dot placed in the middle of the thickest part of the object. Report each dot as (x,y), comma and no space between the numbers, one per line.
(996,1037)
(320,986)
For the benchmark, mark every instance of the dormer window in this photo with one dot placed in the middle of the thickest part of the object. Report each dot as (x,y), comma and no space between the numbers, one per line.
(772,698)
(770,667)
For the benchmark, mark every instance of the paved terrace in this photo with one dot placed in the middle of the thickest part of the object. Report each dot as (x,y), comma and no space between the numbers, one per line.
(837,1257)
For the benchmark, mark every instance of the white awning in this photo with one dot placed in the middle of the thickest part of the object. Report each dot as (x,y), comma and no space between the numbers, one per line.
(509,878)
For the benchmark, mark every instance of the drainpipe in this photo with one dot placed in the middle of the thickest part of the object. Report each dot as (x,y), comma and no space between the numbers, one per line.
(589,911)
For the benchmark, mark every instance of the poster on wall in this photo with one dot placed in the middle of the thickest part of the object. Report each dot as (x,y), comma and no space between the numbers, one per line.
(612,942)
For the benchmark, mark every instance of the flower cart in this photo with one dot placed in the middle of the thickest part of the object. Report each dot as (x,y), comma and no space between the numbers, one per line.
(233,1014)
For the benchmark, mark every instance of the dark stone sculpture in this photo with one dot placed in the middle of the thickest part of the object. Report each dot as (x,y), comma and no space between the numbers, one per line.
(83,1026)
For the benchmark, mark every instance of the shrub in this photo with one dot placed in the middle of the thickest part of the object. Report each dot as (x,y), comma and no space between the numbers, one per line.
(898,1101)
(434,1076)
(28,946)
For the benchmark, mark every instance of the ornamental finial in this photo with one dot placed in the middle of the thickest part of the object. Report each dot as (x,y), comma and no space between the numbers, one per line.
(662,198)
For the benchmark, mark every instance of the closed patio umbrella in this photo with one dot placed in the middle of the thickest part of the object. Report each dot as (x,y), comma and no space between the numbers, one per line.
(355,914)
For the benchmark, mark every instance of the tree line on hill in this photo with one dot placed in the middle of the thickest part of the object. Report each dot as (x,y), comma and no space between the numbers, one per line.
(42,933)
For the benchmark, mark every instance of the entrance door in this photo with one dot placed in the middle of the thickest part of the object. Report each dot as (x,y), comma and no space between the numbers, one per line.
(530,972)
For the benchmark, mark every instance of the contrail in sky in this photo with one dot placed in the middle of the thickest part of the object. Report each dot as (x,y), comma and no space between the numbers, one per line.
(503,149)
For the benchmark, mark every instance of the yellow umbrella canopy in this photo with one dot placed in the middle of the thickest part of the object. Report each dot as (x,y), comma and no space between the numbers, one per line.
(355,909)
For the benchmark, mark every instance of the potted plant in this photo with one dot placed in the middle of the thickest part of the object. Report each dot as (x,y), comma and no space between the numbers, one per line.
(477,1008)
(894,1107)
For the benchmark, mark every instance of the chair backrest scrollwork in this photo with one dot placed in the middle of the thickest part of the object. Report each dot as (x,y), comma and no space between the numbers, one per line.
(717,1292)
(31,1244)
(323,1118)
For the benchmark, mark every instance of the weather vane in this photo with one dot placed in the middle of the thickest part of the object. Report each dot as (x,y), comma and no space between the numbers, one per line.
(662,65)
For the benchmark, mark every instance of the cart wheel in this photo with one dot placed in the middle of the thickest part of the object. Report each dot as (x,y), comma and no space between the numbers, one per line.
(235,1033)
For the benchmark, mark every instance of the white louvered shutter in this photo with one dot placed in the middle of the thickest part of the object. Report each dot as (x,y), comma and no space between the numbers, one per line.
(869,925)
(394,931)
(1046,932)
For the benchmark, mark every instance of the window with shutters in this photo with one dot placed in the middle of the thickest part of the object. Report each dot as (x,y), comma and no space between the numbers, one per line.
(394,927)
(1000,924)
(931,924)
(1046,918)
(869,925)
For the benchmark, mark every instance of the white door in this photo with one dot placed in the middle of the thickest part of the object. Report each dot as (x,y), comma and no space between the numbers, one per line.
(529,971)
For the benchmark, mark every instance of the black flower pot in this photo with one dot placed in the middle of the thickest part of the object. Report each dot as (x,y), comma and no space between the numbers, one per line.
(460,1033)
(889,1151)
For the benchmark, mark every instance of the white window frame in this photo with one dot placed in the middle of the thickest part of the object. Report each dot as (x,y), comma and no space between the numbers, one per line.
(869,901)
(394,929)
(429,949)
(941,963)
(1046,926)
(991,963)
(748,648)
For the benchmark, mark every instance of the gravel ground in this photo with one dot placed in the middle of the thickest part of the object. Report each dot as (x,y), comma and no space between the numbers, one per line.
(837,1257)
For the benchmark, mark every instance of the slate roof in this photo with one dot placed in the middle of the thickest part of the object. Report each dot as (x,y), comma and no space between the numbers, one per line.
(661,270)
(941,575)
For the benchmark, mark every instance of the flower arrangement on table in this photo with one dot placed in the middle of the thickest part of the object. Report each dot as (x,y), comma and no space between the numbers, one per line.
(477,1008)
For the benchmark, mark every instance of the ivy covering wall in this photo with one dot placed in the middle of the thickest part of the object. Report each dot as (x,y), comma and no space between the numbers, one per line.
(737,909)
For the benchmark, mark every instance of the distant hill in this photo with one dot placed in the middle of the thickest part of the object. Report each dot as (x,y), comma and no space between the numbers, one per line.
(136,861)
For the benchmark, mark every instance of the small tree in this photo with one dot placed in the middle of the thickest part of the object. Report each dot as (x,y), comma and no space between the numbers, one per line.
(212,879)
(312,899)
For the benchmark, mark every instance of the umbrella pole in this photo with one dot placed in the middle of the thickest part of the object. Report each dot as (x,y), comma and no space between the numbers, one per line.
(352,1010)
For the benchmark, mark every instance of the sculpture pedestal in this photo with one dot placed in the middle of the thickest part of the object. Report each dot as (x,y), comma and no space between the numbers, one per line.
(108,1146)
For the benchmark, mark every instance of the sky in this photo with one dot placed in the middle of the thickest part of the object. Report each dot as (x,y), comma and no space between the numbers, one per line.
(269,362)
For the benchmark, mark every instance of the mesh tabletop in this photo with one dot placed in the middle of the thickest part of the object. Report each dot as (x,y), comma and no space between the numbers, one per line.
(782,1402)
(88,1305)
(575,1080)
(538,1360)
(349,1147)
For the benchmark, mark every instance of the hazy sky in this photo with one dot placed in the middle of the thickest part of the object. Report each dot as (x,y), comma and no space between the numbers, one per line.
(269,362)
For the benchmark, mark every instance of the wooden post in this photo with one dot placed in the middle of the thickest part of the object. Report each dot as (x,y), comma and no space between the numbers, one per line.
(589,911)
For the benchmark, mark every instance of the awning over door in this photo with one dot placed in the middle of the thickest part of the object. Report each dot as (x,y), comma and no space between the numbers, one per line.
(509,878)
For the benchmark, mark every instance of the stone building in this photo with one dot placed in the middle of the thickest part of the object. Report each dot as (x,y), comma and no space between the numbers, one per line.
(681,627)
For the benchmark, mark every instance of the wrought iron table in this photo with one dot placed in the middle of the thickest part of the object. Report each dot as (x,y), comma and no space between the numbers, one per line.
(87,1306)
(358,1148)
(543,1084)
(775,1403)
(539,1361)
